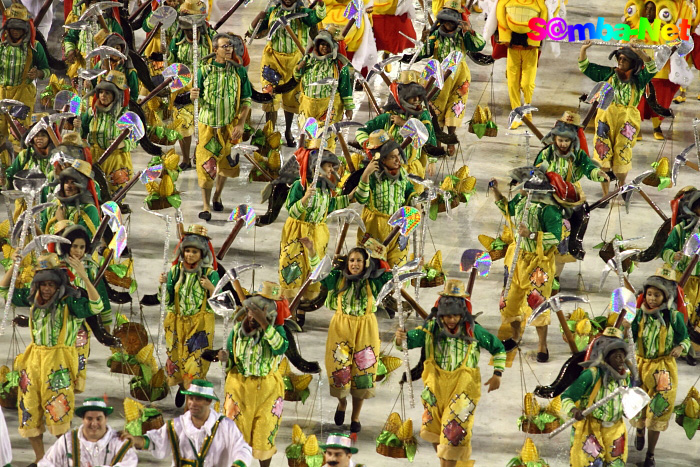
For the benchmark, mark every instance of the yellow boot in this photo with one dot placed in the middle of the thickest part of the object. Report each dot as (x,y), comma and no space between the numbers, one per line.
(680,98)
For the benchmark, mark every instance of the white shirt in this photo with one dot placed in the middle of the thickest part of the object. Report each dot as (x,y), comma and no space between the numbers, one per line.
(5,448)
(92,454)
(351,464)
(227,447)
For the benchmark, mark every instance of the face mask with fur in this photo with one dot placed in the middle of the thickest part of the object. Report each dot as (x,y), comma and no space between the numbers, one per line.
(267,305)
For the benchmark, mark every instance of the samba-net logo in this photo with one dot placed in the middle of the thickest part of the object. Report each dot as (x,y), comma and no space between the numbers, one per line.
(557,29)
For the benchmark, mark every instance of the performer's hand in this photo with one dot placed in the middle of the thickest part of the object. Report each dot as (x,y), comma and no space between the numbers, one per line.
(258,314)
(70,57)
(206,283)
(400,336)
(431,169)
(523,231)
(79,268)
(677,351)
(237,132)
(223,356)
(372,167)
(577,414)
(33,73)
(310,191)
(348,114)
(21,321)
(194,94)
(163,278)
(582,54)
(397,120)
(677,256)
(137,441)
(60,212)
(493,383)
(605,176)
(72,124)
(309,245)
(369,9)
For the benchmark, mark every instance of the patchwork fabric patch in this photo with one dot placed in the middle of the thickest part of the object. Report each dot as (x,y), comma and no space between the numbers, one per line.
(463,90)
(273,435)
(213,146)
(616,463)
(120,176)
(81,338)
(26,416)
(602,130)
(82,362)
(591,446)
(427,417)
(454,433)
(462,407)
(341,377)
(428,397)
(277,407)
(602,149)
(24,381)
(209,167)
(363,381)
(618,446)
(628,131)
(342,353)
(663,380)
(403,242)
(458,108)
(232,408)
(538,277)
(365,358)
(59,379)
(58,407)
(535,299)
(658,405)
(291,272)
(170,367)
(197,341)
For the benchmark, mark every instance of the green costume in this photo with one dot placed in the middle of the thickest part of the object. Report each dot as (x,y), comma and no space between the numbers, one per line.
(571,168)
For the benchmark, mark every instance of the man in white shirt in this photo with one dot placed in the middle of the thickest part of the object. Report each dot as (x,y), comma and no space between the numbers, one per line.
(201,436)
(339,450)
(94,443)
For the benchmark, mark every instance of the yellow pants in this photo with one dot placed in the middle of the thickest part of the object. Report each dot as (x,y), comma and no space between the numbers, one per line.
(45,396)
(283,64)
(616,130)
(255,403)
(521,71)
(25,93)
(183,120)
(294,261)
(451,101)
(186,337)
(692,299)
(213,153)
(352,350)
(82,346)
(590,440)
(378,227)
(317,108)
(449,399)
(118,167)
(660,380)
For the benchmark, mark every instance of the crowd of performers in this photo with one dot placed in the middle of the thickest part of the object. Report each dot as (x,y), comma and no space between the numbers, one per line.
(67,173)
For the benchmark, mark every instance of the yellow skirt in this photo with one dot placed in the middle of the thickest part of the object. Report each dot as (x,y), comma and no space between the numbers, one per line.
(283,64)
(294,265)
(255,403)
(590,440)
(213,153)
(186,337)
(660,380)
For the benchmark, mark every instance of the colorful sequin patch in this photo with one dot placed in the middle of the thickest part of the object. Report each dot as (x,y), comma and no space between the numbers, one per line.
(209,167)
(291,272)
(458,108)
(341,377)
(24,381)
(591,446)
(462,407)
(535,299)
(658,405)
(120,176)
(363,381)
(618,446)
(233,410)
(628,131)
(663,380)
(59,379)
(342,353)
(58,407)
(602,149)
(26,416)
(602,130)
(365,358)
(427,417)
(170,367)
(213,146)
(82,362)
(428,397)
(81,338)
(273,435)
(454,433)
(538,277)
(198,341)
(277,407)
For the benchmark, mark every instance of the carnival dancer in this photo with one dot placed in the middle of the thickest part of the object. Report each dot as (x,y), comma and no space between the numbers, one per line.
(117,42)
(56,312)
(254,386)
(540,233)
(93,443)
(617,127)
(198,437)
(452,339)
(408,99)
(338,450)
(225,102)
(180,50)
(98,126)
(391,23)
(360,43)
(324,62)
(601,437)
(282,55)
(22,61)
(148,25)
(383,189)
(36,155)
(450,33)
(661,336)
(686,207)
(189,324)
(308,207)
(76,200)
(352,348)
(79,245)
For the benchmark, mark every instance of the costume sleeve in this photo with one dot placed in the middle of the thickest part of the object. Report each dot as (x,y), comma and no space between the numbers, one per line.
(85,120)
(539,160)
(172,52)
(508,207)
(415,338)
(15,167)
(246,90)
(331,279)
(106,313)
(339,202)
(672,245)
(19,298)
(647,73)
(551,227)
(378,283)
(576,391)
(39,60)
(635,324)
(426,119)
(276,337)
(158,442)
(363,191)
(132,80)
(213,277)
(84,308)
(56,455)
(594,71)
(200,81)
(377,123)
(170,287)
(345,88)
(491,343)
(680,331)
(70,42)
(294,205)
(589,168)
(299,72)
(91,212)
(409,191)
(314,16)
(428,48)
(242,452)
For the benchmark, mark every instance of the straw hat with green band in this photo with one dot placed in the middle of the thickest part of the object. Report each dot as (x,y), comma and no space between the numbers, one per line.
(339,441)
(201,388)
(93,404)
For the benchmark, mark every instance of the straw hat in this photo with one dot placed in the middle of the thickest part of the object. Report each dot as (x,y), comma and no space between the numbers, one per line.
(270,290)
(454,288)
